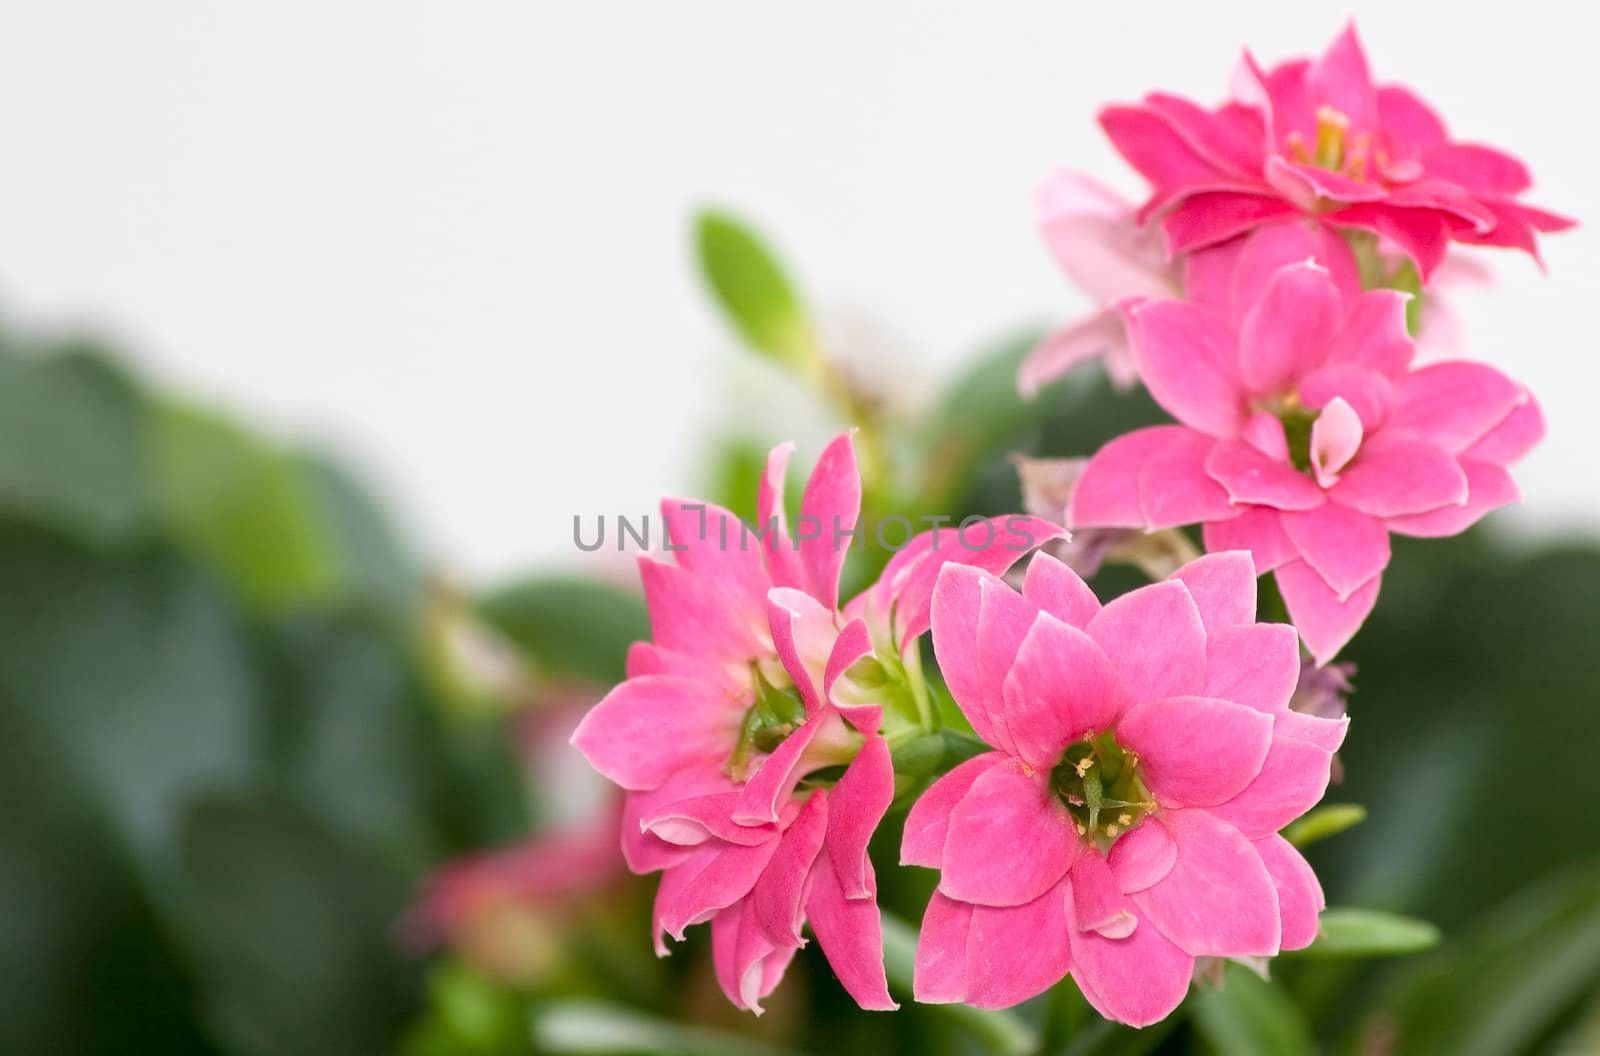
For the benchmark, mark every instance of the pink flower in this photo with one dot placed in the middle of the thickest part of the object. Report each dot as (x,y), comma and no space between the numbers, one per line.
(1127,822)
(754,731)
(1319,138)
(1307,433)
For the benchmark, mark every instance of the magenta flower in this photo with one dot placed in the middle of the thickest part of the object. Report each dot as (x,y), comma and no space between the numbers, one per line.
(1307,433)
(1127,821)
(753,733)
(1318,138)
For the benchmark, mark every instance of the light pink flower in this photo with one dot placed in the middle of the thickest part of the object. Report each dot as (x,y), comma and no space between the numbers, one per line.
(1318,138)
(1307,433)
(1127,821)
(751,732)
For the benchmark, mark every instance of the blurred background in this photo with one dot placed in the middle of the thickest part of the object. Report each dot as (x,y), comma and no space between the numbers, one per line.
(318,326)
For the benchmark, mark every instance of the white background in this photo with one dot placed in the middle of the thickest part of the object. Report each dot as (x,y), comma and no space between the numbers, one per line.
(450,239)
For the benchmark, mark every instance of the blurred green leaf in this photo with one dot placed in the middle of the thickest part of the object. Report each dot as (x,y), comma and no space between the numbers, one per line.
(241,505)
(69,448)
(575,1026)
(1347,932)
(374,567)
(1250,1016)
(1324,821)
(570,626)
(750,285)
(292,927)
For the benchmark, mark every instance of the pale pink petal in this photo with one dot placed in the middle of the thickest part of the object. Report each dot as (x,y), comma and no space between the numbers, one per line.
(1344,546)
(1257,665)
(1310,187)
(1284,336)
(647,729)
(1291,781)
(1094,236)
(1108,494)
(1300,898)
(993,544)
(1374,334)
(692,614)
(1097,899)
(828,513)
(1223,586)
(1096,336)
(1137,980)
(1251,477)
(1155,639)
(1488,488)
(1327,734)
(1263,431)
(1340,79)
(940,975)
(1454,403)
(1143,856)
(1196,751)
(1060,591)
(1394,478)
(777,901)
(1186,359)
(748,964)
(1010,840)
(1514,437)
(928,822)
(1218,900)
(1017,952)
(691,820)
(1335,437)
(714,544)
(1325,622)
(856,806)
(1062,688)
(861,706)
(850,932)
(1259,530)
(803,633)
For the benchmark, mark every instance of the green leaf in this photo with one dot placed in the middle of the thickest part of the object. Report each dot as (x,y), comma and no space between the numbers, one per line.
(292,928)
(1324,821)
(242,506)
(1369,933)
(69,448)
(1250,1016)
(374,566)
(577,1026)
(750,285)
(570,626)
(1002,1032)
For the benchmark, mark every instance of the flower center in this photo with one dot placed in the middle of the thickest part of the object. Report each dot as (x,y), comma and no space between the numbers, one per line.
(1297,420)
(776,712)
(1098,780)
(1335,147)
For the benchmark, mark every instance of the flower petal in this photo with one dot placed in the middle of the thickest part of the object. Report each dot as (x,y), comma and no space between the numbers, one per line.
(1010,840)
(1259,529)
(1196,751)
(828,511)
(1366,391)
(1251,477)
(648,728)
(1061,689)
(1374,334)
(940,974)
(1137,980)
(1186,359)
(1223,586)
(1060,591)
(957,610)
(1344,546)
(850,932)
(928,822)
(1218,900)
(711,879)
(1257,665)
(1108,494)
(690,613)
(1391,478)
(1208,217)
(1174,488)
(1488,488)
(1291,781)
(1335,438)
(1101,335)
(1017,952)
(1514,437)
(1143,856)
(1454,403)
(1284,335)
(777,901)
(1155,639)
(1300,898)
(856,806)
(783,560)
(1325,621)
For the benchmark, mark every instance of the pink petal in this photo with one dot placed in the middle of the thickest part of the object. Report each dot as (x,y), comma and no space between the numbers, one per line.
(1325,622)
(1096,336)
(803,633)
(1228,143)
(692,820)
(1264,432)
(1059,590)
(777,901)
(1257,665)
(1291,781)
(769,789)
(1174,488)
(1098,904)
(1010,840)
(850,932)
(1218,900)
(1375,335)
(1017,952)
(1196,751)
(715,545)
(1480,169)
(940,975)
(1149,143)
(1283,243)
(1143,856)
(1421,234)
(1210,217)
(1368,393)
(1401,477)
(783,560)
(1094,235)
(1251,477)
(1137,980)
(860,705)
(928,822)
(647,658)
(1488,488)
(1344,546)
(1514,437)
(711,879)
(692,614)
(1061,689)
(1408,119)
(1108,494)
(1340,79)
(831,502)
(1155,639)
(957,606)
(1454,403)
(1004,620)
(748,965)
(647,729)
(1186,359)
(1335,437)
(856,806)
(1259,529)
(1223,586)
(1300,898)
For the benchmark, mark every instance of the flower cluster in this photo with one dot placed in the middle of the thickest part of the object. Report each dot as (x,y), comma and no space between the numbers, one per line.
(1122,817)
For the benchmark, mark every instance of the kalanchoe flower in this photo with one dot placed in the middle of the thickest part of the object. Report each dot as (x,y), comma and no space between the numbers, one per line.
(1307,434)
(753,734)
(1127,821)
(1318,138)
